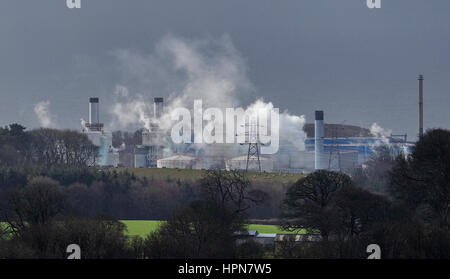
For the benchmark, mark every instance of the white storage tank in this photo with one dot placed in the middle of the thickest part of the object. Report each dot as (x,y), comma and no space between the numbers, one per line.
(177,162)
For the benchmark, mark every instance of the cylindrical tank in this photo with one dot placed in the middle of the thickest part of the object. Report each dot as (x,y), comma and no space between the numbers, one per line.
(177,162)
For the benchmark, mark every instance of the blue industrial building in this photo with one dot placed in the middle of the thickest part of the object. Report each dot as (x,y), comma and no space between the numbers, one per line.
(363,145)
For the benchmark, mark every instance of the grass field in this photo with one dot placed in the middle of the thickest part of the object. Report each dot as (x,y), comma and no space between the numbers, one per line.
(144,227)
(186,174)
(141,227)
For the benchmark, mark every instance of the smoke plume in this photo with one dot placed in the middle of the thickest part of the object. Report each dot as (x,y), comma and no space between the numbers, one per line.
(380,132)
(45,118)
(181,71)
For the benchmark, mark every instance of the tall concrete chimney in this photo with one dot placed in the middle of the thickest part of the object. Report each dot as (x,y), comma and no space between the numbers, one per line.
(158,107)
(420,106)
(93,111)
(319,163)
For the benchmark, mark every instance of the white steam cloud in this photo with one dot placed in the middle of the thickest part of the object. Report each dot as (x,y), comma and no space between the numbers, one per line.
(380,132)
(384,135)
(45,118)
(181,71)
(290,127)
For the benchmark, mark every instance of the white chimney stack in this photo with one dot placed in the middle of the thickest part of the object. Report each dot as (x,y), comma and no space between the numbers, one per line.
(93,111)
(158,107)
(319,163)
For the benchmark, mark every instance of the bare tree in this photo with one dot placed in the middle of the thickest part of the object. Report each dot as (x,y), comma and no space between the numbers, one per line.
(201,230)
(309,205)
(230,189)
(36,204)
(52,147)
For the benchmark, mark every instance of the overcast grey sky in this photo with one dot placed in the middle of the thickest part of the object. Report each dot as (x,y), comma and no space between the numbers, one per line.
(358,65)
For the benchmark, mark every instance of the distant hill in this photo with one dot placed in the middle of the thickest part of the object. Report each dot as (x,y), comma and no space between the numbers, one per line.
(338,130)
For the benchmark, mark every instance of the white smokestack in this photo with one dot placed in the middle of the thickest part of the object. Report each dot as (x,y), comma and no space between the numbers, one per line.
(158,107)
(319,163)
(93,111)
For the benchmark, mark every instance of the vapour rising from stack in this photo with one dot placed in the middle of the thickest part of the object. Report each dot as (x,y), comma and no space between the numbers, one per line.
(43,114)
(182,71)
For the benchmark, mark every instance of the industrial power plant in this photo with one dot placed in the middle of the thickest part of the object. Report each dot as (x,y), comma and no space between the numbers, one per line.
(108,155)
(327,146)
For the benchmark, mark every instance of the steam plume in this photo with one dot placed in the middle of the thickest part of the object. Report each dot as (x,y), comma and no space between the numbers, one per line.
(182,71)
(43,114)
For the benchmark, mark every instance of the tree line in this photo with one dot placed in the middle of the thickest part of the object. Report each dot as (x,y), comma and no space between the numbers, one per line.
(49,199)
(48,147)
(406,214)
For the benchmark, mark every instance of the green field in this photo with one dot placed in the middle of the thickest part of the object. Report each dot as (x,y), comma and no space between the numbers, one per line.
(141,227)
(186,174)
(144,227)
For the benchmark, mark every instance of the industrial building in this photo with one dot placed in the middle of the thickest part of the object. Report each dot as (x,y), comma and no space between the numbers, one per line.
(334,152)
(178,162)
(327,146)
(154,140)
(345,148)
(94,129)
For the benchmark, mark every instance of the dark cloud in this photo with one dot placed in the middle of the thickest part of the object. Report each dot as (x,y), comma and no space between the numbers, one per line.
(357,64)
